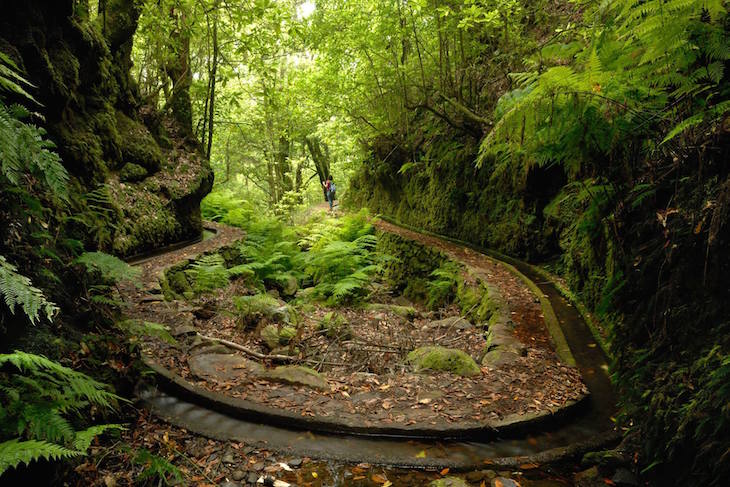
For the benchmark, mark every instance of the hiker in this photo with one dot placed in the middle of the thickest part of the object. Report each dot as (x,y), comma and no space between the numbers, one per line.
(330,190)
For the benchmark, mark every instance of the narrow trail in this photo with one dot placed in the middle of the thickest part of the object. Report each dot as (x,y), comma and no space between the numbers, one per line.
(583,429)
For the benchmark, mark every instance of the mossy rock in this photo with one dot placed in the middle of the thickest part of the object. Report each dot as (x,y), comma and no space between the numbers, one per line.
(298,375)
(132,172)
(137,144)
(335,325)
(443,359)
(449,482)
(178,282)
(274,337)
(407,312)
(252,309)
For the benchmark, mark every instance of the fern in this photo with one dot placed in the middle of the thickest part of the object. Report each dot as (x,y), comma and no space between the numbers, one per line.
(35,405)
(24,150)
(156,467)
(110,268)
(17,290)
(15,452)
(441,288)
(208,273)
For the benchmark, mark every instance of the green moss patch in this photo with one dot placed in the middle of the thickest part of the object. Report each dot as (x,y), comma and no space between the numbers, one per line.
(443,359)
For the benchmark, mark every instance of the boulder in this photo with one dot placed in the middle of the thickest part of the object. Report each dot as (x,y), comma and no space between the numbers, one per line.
(407,312)
(274,337)
(223,367)
(443,359)
(298,375)
(252,309)
(452,322)
(499,357)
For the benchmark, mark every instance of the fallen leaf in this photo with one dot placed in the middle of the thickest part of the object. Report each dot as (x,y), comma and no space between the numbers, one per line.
(421,454)
(444,471)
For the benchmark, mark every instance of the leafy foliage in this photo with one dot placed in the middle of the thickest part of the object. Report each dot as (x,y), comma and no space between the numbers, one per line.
(156,468)
(443,285)
(208,273)
(17,290)
(36,404)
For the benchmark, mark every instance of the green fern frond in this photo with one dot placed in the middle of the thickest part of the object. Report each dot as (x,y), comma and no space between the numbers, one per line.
(83,439)
(17,290)
(15,452)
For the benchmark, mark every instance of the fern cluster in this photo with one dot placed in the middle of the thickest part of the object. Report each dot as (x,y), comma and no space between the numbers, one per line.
(37,403)
(208,273)
(442,287)
(628,75)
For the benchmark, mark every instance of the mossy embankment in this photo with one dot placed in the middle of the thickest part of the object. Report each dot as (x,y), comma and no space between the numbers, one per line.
(641,249)
(136,178)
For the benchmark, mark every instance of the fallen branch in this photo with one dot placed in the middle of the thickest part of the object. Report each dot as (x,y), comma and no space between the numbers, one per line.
(248,351)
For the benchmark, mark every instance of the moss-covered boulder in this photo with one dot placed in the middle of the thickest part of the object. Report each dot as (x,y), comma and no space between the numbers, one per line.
(335,325)
(298,375)
(443,359)
(252,309)
(407,312)
(137,144)
(275,337)
(132,172)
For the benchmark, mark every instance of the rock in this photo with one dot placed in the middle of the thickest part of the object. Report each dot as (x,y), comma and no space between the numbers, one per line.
(273,336)
(295,462)
(223,367)
(499,357)
(287,334)
(586,476)
(449,482)
(183,330)
(336,326)
(131,173)
(289,286)
(252,309)
(270,336)
(504,482)
(212,348)
(453,322)
(229,458)
(228,483)
(252,478)
(501,335)
(625,478)
(443,359)
(238,475)
(407,312)
(298,375)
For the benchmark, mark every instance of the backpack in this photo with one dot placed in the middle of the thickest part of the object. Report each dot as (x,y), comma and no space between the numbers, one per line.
(333,189)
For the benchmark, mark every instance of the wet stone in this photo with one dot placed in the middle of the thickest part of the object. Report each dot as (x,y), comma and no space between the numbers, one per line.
(238,475)
(252,478)
(223,367)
